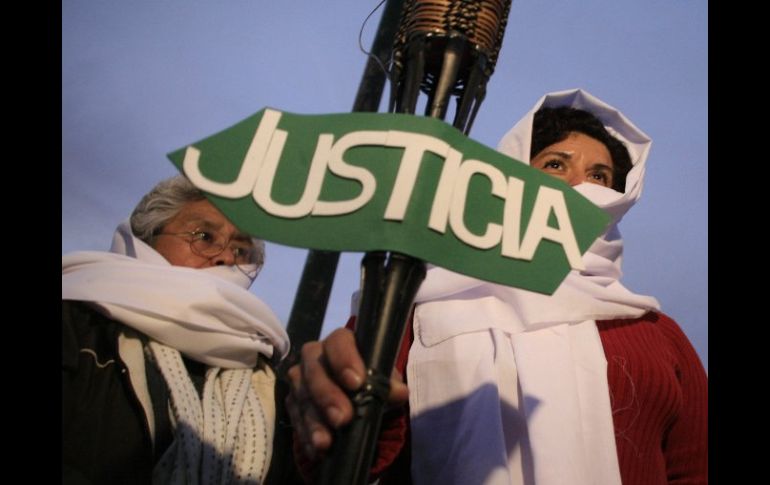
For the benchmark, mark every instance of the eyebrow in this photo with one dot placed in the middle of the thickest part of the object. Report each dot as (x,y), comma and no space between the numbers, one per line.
(595,166)
(197,220)
(601,166)
(561,154)
(242,236)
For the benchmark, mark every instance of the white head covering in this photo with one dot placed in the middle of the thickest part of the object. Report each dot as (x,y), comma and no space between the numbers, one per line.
(515,381)
(208,315)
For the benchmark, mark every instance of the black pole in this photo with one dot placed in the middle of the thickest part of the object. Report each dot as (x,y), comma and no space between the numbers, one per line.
(390,283)
(441,66)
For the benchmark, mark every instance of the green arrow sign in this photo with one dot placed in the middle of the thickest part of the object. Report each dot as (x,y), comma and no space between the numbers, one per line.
(372,181)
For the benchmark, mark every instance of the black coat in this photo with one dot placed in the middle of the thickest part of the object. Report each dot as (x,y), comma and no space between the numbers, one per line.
(105,434)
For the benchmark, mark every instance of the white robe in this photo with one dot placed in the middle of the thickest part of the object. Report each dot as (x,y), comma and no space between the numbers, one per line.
(509,386)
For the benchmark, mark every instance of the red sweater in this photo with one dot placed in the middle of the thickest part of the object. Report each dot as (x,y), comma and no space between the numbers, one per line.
(658,393)
(659,398)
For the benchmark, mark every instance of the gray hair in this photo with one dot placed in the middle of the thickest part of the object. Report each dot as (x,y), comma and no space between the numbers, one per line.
(163,202)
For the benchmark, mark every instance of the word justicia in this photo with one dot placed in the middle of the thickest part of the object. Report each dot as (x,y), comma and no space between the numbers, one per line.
(260,164)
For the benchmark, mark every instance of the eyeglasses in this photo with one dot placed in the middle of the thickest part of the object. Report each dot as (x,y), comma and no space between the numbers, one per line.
(208,244)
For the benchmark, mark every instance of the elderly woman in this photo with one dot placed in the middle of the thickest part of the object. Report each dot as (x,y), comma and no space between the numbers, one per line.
(590,385)
(167,357)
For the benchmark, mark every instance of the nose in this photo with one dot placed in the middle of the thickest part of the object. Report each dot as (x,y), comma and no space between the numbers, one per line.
(573,179)
(225,258)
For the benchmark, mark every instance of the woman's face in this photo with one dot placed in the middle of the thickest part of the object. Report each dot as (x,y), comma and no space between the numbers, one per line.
(576,159)
(200,219)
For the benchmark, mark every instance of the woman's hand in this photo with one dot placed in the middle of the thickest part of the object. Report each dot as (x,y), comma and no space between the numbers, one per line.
(318,401)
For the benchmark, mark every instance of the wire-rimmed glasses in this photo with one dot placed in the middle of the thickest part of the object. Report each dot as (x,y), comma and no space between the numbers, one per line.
(209,244)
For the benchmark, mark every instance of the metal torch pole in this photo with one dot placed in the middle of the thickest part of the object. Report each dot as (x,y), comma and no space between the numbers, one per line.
(442,54)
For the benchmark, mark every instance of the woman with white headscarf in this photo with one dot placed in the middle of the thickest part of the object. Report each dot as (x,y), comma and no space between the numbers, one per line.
(590,385)
(167,357)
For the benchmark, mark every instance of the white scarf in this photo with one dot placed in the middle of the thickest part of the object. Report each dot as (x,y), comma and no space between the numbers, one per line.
(509,386)
(209,316)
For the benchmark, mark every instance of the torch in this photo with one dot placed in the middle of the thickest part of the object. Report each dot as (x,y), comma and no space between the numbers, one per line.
(443,49)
